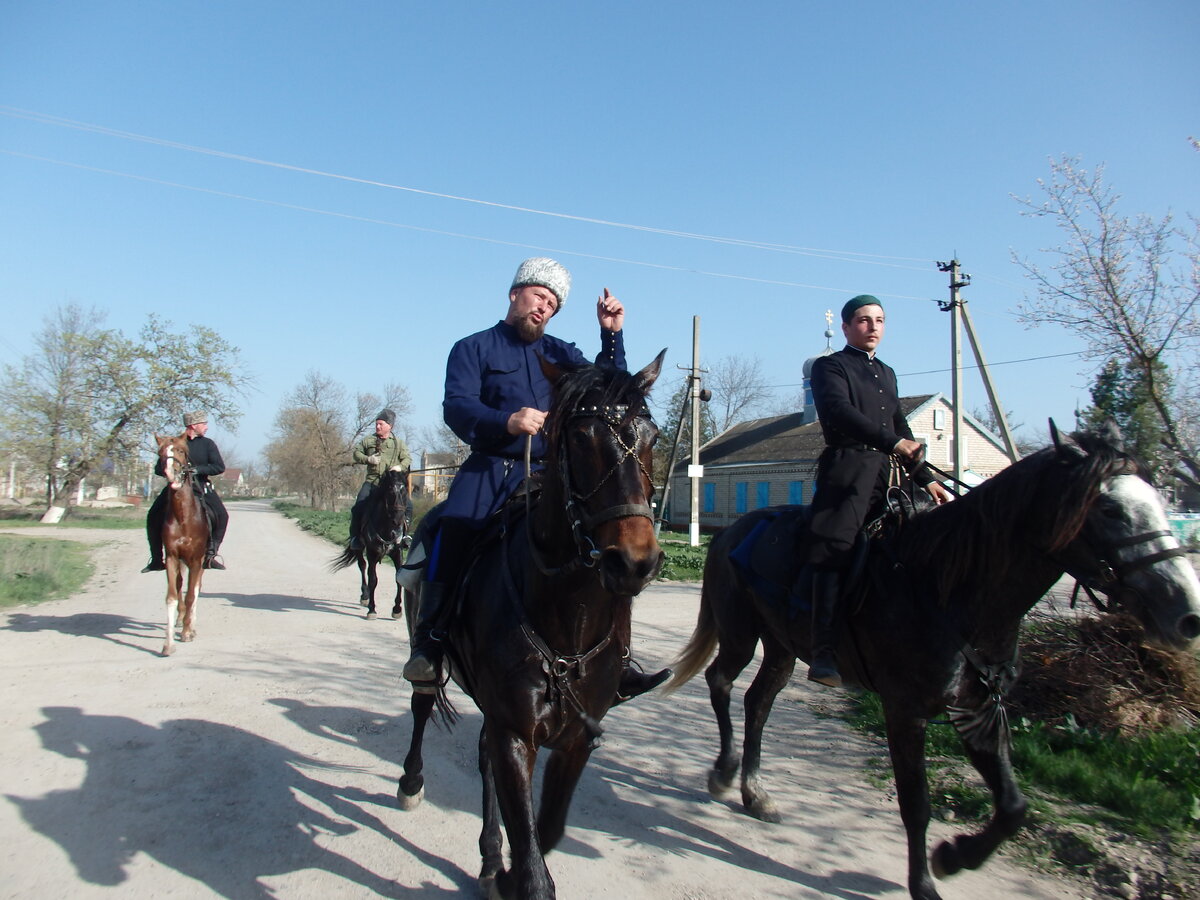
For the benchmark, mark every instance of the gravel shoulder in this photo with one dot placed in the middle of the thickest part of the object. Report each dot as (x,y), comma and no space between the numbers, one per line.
(261,760)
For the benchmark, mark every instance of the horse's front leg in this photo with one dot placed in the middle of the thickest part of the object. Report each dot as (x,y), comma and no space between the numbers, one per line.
(372,583)
(777,665)
(398,603)
(906,744)
(563,769)
(512,758)
(411,788)
(187,630)
(174,576)
(733,655)
(969,851)
(364,596)
(491,842)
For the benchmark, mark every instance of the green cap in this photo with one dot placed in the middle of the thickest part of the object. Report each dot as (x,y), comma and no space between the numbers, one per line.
(855,302)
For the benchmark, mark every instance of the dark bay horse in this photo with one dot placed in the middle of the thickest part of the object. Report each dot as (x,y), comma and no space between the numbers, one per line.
(936,627)
(383,525)
(543,631)
(185,539)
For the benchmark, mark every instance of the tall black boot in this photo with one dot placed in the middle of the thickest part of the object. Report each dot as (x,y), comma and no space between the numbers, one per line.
(426,654)
(635,681)
(825,631)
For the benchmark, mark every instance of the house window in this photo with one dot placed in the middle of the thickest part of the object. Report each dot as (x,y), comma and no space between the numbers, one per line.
(796,493)
(939,419)
(741,492)
(763,494)
(710,498)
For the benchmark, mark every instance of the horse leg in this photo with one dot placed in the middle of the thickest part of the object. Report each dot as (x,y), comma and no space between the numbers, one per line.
(491,841)
(174,574)
(372,583)
(187,629)
(563,769)
(411,789)
(906,744)
(777,665)
(397,606)
(969,851)
(512,759)
(733,655)
(364,595)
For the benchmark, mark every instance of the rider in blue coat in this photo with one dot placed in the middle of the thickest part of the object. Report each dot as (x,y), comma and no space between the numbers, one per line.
(496,395)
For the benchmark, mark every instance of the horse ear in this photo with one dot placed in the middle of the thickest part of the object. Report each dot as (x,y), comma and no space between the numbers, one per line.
(1064,444)
(645,379)
(552,372)
(1110,433)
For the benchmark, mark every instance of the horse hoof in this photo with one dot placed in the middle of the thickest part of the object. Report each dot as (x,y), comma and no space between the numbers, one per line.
(408,802)
(187,638)
(945,861)
(397,614)
(370,615)
(363,601)
(765,812)
(168,649)
(718,787)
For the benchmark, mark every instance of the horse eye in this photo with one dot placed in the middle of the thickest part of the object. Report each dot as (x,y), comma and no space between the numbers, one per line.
(1110,510)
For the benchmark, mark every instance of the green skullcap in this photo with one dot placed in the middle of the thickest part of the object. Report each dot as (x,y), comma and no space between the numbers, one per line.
(855,302)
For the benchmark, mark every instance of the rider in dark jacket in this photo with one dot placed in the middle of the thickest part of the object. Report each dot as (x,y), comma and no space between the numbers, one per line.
(858,405)
(496,395)
(205,459)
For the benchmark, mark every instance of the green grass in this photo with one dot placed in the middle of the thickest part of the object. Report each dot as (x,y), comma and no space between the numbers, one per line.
(37,569)
(684,562)
(333,526)
(1143,784)
(76,517)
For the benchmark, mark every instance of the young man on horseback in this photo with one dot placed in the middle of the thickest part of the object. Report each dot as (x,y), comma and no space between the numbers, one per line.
(496,395)
(858,406)
(378,452)
(205,460)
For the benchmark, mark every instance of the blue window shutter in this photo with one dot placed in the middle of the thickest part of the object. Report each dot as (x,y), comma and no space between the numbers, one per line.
(796,493)
(764,494)
(742,490)
(710,498)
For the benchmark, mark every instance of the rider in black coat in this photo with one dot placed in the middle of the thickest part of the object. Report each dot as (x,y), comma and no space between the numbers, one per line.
(858,406)
(205,459)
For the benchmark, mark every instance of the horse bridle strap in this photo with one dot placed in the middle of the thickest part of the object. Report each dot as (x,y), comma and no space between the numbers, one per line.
(1110,572)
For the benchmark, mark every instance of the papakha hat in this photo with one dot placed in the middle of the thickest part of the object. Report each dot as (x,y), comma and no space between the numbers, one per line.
(854,303)
(387,416)
(547,273)
(194,418)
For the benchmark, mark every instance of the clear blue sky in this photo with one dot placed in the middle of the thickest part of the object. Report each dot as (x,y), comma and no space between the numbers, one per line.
(870,138)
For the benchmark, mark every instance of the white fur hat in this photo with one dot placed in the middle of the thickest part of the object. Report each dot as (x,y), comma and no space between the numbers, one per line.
(548,274)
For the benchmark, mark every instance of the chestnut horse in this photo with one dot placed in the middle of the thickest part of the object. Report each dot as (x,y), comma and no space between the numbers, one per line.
(185,538)
(542,634)
(937,625)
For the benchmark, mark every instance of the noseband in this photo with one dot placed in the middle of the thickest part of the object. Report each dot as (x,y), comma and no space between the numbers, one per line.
(582,522)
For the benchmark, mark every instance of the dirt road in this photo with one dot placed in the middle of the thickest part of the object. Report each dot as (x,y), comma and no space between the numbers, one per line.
(261,760)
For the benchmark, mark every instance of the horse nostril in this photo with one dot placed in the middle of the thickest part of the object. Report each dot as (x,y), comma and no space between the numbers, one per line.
(1189,626)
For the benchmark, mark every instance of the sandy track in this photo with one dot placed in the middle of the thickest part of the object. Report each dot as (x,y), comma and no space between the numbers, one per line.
(261,760)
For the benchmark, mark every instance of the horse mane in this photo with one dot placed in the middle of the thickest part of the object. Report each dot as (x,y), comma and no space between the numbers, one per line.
(1040,502)
(600,386)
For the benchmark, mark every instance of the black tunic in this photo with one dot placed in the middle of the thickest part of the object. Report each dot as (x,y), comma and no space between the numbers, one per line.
(859,409)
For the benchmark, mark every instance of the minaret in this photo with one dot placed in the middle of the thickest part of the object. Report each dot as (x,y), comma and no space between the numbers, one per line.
(810,410)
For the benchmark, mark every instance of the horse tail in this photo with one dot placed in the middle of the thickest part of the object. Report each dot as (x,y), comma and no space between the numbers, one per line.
(702,643)
(347,556)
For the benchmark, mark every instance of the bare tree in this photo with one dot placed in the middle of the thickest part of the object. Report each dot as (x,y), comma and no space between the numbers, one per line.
(309,449)
(739,390)
(367,406)
(1130,288)
(85,397)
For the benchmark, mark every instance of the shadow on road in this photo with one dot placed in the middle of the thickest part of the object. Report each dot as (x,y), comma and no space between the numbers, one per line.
(213,802)
(284,603)
(106,626)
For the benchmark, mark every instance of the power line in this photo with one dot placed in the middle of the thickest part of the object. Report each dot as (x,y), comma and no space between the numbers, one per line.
(390,224)
(1006,362)
(836,255)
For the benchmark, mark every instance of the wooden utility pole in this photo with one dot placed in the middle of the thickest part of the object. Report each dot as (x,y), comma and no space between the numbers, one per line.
(959,317)
(695,470)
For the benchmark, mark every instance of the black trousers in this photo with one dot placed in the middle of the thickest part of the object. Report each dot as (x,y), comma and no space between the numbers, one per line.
(851,488)
(157,515)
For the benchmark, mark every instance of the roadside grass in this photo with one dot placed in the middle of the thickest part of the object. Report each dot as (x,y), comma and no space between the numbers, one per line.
(76,517)
(1141,784)
(683,562)
(37,569)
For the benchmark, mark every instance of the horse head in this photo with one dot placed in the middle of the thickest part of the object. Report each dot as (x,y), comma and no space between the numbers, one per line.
(1120,542)
(173,450)
(601,438)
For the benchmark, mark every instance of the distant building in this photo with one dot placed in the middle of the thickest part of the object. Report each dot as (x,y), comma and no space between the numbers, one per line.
(436,472)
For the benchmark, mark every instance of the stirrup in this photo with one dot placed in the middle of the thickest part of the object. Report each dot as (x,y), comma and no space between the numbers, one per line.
(213,562)
(637,683)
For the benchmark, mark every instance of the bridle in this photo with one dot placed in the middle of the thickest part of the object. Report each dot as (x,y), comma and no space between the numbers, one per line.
(1110,571)
(583,523)
(187,471)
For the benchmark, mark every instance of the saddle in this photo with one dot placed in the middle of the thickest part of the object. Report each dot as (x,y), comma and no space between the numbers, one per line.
(772,557)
